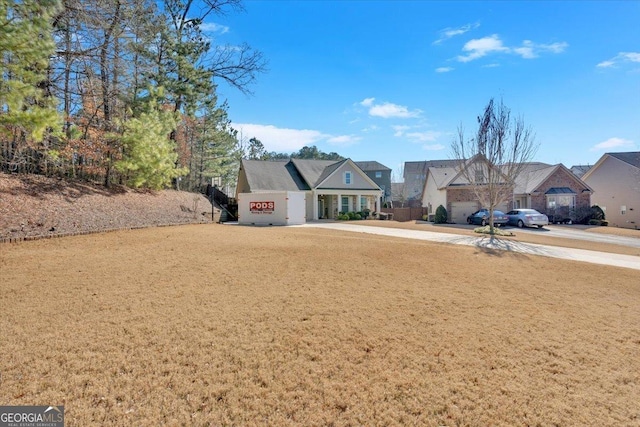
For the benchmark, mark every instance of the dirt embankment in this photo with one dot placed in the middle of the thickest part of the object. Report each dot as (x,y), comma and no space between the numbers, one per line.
(34,206)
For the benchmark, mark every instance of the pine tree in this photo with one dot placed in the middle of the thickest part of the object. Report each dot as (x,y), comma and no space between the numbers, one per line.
(149,158)
(26,113)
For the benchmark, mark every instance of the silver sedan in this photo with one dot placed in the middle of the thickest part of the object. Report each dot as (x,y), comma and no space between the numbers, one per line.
(527,218)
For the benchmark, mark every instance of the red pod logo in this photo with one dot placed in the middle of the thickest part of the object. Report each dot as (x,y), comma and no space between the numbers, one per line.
(261,207)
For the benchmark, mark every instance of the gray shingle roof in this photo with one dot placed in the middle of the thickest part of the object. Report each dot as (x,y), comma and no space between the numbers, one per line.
(631,157)
(370,166)
(273,176)
(314,171)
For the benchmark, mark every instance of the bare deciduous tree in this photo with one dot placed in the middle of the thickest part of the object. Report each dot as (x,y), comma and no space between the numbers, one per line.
(492,161)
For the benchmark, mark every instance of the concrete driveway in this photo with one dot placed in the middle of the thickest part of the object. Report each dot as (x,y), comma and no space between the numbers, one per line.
(569,232)
(486,242)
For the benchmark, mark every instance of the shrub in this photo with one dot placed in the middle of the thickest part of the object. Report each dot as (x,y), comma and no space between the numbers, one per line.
(343,217)
(425,217)
(351,215)
(358,216)
(441,215)
(597,212)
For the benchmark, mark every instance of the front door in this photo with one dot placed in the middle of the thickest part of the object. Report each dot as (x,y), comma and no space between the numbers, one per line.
(321,213)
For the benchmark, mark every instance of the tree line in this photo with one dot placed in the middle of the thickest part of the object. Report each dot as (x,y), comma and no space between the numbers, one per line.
(121,91)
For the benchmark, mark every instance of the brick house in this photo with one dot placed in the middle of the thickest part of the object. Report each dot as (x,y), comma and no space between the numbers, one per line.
(551,189)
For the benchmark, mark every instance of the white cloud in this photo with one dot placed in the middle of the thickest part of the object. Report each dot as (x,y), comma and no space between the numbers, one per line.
(530,50)
(400,130)
(388,110)
(280,139)
(612,143)
(444,69)
(428,136)
(606,64)
(211,27)
(620,57)
(344,140)
(478,48)
(447,33)
(434,147)
(367,102)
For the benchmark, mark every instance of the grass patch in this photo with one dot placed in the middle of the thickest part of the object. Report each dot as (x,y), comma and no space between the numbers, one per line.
(296,326)
(497,231)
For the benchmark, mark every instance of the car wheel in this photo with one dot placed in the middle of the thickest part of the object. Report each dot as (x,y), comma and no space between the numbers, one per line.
(539,226)
(469,221)
(520,223)
(484,222)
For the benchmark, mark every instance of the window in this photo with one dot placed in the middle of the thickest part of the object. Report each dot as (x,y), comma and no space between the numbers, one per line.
(363,203)
(567,201)
(345,203)
(378,174)
(347,178)
(623,210)
(479,176)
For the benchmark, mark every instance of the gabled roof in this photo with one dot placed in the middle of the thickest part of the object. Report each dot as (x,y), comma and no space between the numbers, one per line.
(579,170)
(631,157)
(293,175)
(273,176)
(443,176)
(370,166)
(313,170)
(421,167)
(535,174)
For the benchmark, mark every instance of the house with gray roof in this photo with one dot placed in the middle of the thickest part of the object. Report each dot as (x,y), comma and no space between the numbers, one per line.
(415,174)
(330,186)
(550,189)
(380,174)
(615,179)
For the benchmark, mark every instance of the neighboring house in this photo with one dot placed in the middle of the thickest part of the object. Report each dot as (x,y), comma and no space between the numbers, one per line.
(415,175)
(398,195)
(579,170)
(615,180)
(447,186)
(553,190)
(549,189)
(330,187)
(380,174)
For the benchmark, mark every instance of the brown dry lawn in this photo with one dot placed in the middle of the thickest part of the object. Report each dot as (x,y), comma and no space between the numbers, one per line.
(226,325)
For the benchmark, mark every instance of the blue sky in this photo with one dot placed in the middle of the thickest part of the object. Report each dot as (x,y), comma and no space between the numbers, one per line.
(393,80)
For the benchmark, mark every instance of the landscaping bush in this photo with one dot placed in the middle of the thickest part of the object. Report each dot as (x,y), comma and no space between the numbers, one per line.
(597,212)
(441,215)
(425,217)
(358,216)
(343,217)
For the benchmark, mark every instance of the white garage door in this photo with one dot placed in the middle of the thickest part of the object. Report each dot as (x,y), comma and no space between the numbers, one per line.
(504,207)
(461,210)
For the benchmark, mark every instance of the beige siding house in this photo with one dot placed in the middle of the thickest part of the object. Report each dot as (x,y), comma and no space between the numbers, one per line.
(330,187)
(615,180)
(550,189)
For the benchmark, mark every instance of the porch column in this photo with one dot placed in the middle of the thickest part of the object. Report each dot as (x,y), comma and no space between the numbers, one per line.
(357,207)
(339,203)
(315,204)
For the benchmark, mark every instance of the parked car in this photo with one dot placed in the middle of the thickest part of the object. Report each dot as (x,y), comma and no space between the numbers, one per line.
(482,217)
(527,218)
